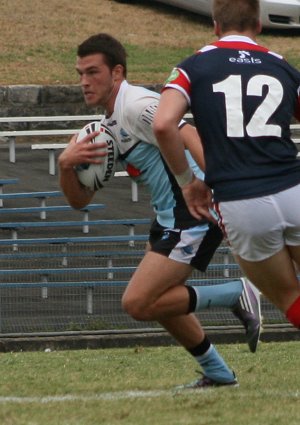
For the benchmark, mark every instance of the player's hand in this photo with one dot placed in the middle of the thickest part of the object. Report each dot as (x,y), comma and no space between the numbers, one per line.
(83,152)
(198,198)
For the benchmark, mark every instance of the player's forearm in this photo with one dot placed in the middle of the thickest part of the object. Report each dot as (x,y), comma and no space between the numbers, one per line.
(77,195)
(172,149)
(193,143)
(171,109)
(176,159)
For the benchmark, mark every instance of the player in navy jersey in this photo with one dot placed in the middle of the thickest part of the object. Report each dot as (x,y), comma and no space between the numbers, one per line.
(243,98)
(178,242)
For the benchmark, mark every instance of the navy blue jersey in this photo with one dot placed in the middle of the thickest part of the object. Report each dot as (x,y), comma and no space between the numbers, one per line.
(243,98)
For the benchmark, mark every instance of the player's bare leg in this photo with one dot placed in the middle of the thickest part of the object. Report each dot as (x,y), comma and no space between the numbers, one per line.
(157,291)
(155,275)
(158,277)
(276,278)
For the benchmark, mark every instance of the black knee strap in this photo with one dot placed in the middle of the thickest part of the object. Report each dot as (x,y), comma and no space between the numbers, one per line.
(193,299)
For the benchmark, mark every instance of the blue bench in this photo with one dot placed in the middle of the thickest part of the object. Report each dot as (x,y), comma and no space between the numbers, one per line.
(89,287)
(37,195)
(41,196)
(106,268)
(15,226)
(106,280)
(96,283)
(53,208)
(64,256)
(3,182)
(74,240)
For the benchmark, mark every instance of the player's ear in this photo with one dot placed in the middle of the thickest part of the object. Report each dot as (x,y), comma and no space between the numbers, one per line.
(118,72)
(259,27)
(217,29)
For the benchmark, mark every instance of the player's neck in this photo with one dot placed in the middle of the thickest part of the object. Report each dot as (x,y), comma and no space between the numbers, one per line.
(248,34)
(110,103)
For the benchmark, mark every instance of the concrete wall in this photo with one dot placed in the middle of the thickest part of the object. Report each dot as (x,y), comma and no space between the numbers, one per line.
(36,100)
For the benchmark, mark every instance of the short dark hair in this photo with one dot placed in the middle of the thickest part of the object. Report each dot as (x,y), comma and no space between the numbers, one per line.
(239,15)
(113,51)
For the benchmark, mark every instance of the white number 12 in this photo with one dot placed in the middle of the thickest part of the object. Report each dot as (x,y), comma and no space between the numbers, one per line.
(257,126)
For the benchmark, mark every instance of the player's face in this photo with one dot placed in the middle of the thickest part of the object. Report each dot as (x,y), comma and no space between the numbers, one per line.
(96,79)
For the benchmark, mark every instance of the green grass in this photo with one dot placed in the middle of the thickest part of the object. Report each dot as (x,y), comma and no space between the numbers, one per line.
(38,44)
(144,63)
(135,386)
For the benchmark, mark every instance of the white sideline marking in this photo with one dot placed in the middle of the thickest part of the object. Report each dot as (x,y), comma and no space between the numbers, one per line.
(121,395)
(105,396)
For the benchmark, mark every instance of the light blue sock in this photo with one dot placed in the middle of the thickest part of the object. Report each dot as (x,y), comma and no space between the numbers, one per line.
(219,295)
(214,366)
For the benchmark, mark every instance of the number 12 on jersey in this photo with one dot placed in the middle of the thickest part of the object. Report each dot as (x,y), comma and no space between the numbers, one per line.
(258,125)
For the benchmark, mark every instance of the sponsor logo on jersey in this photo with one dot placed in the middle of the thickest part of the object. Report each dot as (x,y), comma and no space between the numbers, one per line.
(165,236)
(110,159)
(245,58)
(125,138)
(148,114)
(188,249)
(112,123)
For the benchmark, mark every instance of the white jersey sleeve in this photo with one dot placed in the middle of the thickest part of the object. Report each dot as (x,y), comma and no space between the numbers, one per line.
(138,117)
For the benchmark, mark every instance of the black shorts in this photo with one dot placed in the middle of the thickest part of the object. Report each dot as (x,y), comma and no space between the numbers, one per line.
(194,246)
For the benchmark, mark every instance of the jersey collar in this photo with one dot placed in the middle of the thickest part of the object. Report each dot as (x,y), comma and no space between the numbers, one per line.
(240,38)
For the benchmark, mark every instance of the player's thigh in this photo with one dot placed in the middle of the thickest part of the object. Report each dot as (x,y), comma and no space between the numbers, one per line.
(275,277)
(295,255)
(155,274)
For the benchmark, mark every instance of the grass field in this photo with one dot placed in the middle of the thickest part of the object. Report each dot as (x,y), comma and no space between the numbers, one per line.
(39,38)
(130,386)
(136,387)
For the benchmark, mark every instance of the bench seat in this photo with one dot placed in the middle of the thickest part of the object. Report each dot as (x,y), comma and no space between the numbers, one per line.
(15,226)
(52,208)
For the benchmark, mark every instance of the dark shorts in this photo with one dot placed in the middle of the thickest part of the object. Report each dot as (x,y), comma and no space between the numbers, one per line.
(194,246)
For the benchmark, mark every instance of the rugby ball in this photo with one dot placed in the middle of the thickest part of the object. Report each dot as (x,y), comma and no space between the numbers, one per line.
(94,176)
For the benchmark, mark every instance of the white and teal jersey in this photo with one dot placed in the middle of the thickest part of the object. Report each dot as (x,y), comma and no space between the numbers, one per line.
(131,125)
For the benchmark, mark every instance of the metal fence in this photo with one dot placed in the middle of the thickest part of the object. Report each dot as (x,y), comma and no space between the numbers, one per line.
(85,291)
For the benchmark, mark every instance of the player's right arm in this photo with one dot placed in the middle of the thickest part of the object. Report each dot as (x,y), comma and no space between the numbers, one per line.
(171,109)
(75,154)
(193,143)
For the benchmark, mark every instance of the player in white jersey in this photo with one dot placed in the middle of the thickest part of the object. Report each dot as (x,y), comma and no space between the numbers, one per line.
(243,98)
(177,242)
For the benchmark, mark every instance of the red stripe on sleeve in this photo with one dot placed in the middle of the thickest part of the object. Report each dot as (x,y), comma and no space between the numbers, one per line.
(178,78)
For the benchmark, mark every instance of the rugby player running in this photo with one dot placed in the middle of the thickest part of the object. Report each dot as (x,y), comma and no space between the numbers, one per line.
(243,98)
(178,242)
